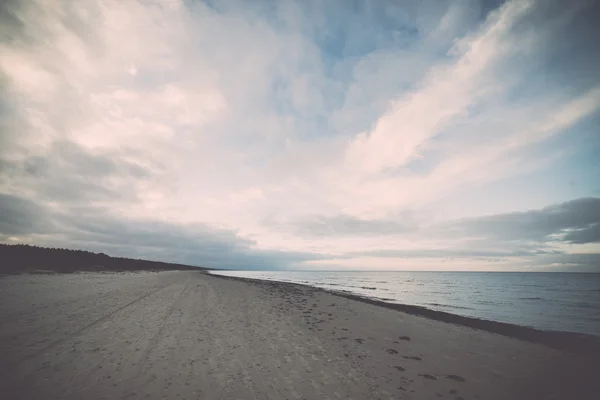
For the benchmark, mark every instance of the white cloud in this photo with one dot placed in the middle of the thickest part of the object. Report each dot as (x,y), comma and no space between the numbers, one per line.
(447,92)
(239,114)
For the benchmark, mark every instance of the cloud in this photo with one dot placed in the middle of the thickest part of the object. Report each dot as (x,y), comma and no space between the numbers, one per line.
(453,253)
(534,237)
(573,221)
(194,244)
(589,234)
(342,225)
(446,93)
(21,217)
(70,174)
(306,130)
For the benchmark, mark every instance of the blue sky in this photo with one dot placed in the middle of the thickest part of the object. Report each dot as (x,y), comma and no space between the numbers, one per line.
(431,135)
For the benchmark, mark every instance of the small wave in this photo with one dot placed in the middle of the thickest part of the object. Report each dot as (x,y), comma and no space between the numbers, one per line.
(356,287)
(449,306)
(530,298)
(586,305)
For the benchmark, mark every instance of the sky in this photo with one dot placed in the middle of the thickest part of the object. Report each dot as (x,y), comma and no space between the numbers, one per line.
(383,135)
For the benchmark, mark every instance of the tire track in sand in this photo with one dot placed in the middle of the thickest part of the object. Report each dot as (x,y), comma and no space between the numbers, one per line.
(156,337)
(84,328)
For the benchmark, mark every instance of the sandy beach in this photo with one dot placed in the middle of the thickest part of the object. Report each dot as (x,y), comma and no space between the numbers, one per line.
(190,335)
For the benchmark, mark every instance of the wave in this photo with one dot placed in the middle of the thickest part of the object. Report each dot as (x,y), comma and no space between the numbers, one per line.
(586,305)
(356,287)
(449,306)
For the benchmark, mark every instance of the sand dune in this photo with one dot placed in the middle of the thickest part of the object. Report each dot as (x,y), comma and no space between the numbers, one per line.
(188,335)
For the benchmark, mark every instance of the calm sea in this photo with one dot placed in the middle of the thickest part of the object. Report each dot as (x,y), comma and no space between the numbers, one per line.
(548,301)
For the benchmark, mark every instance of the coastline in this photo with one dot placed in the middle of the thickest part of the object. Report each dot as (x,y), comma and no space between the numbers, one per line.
(190,335)
(578,343)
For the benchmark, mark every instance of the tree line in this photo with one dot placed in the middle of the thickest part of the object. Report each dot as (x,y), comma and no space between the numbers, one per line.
(19,258)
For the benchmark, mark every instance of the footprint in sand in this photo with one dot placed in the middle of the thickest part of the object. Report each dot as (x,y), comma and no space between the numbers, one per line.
(392,351)
(404,338)
(359,340)
(399,368)
(412,358)
(456,378)
(427,376)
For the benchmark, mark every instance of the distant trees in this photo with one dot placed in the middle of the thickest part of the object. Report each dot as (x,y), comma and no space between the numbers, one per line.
(23,258)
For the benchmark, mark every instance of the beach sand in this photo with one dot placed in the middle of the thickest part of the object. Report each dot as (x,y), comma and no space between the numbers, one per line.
(190,335)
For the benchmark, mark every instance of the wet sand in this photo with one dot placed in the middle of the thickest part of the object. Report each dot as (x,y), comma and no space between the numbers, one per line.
(189,335)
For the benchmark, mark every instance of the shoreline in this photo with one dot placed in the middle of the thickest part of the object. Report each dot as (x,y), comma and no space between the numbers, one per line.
(191,334)
(578,343)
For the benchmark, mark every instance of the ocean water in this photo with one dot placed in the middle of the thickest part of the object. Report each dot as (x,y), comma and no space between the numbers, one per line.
(567,302)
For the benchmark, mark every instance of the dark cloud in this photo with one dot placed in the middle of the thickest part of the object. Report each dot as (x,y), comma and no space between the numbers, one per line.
(520,251)
(69,173)
(591,234)
(16,27)
(582,262)
(100,231)
(569,52)
(13,27)
(529,235)
(197,244)
(573,221)
(19,216)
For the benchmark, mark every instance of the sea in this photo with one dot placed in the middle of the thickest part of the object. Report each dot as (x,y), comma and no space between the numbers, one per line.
(568,302)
